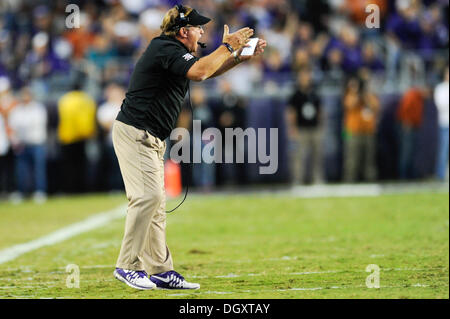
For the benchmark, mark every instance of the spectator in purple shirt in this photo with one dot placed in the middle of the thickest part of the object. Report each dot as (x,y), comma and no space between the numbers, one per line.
(371,58)
(41,61)
(275,70)
(404,27)
(304,35)
(434,34)
(6,54)
(351,52)
(2,70)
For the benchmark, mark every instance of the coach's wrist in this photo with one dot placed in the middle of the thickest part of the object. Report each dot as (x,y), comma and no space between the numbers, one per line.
(236,57)
(228,46)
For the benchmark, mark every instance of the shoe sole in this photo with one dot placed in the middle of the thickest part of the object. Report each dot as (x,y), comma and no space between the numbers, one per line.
(158,288)
(161,288)
(119,277)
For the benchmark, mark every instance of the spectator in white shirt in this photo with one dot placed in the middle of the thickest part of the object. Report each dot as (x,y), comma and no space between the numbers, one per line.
(28,122)
(106,114)
(7,104)
(4,146)
(441,96)
(4,143)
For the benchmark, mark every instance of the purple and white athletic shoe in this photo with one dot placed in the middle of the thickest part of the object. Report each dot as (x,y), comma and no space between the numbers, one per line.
(134,278)
(172,280)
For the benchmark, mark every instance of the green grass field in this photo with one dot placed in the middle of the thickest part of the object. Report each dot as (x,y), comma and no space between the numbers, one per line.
(244,247)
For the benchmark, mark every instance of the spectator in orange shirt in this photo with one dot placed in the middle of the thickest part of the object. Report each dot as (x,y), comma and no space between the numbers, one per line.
(361,108)
(357,9)
(81,38)
(409,116)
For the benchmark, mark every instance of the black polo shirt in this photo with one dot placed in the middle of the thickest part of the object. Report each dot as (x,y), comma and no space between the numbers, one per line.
(307,105)
(157,87)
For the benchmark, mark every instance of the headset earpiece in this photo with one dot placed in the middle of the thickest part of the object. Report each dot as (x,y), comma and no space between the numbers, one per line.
(180,8)
(181,16)
(181,20)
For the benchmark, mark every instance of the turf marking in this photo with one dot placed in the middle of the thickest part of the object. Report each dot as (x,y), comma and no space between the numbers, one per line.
(232,275)
(228,276)
(62,234)
(315,272)
(418,285)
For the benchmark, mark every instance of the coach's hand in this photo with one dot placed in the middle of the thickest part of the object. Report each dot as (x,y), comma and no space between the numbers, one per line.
(238,39)
(258,50)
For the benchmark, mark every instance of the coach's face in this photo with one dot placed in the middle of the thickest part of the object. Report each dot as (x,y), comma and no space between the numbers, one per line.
(194,33)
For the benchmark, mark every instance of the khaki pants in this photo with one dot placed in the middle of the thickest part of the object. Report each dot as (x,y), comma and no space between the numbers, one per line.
(306,156)
(359,157)
(141,163)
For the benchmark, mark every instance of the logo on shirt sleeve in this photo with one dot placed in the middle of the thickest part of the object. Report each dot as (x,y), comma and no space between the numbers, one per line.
(188,56)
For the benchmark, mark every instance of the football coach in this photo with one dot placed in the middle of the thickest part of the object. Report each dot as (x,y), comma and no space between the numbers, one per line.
(148,114)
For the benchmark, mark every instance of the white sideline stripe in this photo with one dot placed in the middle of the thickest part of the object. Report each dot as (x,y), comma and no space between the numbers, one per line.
(228,276)
(232,275)
(309,273)
(418,285)
(62,234)
(344,190)
(337,190)
(363,190)
(315,272)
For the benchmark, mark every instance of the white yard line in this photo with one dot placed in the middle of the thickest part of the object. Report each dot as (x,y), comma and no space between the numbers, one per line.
(232,275)
(320,191)
(62,234)
(334,190)
(365,190)
(418,285)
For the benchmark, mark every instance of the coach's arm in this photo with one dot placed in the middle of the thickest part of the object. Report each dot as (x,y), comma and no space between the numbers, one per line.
(210,64)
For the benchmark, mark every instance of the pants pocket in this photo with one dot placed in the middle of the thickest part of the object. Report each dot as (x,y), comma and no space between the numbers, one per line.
(141,136)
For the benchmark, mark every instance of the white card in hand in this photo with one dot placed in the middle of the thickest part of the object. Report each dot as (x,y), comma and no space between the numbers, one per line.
(252,46)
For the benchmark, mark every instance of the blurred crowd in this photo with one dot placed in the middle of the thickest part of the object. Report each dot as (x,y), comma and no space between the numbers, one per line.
(333,81)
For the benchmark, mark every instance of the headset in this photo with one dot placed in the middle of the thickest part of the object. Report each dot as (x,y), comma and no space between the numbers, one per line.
(182,20)
(191,162)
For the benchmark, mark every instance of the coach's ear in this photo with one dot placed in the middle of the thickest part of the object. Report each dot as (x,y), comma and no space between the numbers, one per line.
(183,33)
